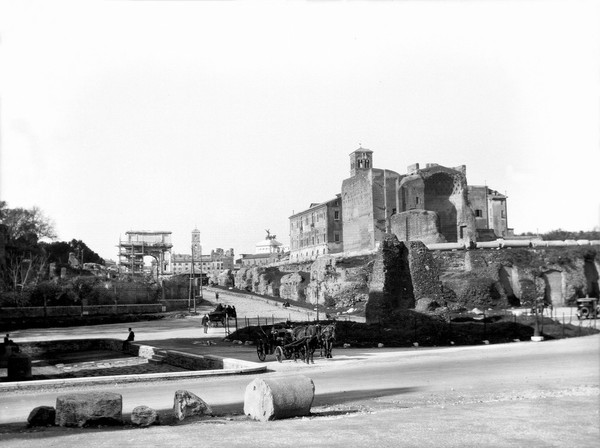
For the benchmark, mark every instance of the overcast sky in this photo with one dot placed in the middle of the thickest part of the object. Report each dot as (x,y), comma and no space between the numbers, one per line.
(231,116)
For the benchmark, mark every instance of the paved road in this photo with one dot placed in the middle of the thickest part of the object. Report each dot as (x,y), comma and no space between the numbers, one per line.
(185,327)
(513,395)
(534,384)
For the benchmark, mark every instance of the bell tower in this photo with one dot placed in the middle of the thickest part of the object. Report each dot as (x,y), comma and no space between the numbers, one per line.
(196,246)
(360,160)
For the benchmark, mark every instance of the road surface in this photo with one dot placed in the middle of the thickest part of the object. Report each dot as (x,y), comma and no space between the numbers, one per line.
(534,394)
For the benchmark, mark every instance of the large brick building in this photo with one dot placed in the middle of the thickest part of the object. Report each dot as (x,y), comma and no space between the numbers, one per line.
(433,204)
(317,230)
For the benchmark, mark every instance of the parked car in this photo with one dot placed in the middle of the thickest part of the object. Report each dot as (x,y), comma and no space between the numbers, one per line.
(588,308)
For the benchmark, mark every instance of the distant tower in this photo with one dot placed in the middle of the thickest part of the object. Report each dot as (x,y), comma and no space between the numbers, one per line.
(360,160)
(196,246)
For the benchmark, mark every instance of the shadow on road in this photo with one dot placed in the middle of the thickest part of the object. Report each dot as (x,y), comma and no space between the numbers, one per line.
(356,395)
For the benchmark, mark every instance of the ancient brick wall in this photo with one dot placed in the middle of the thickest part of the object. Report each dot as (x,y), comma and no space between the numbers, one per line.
(390,285)
(357,212)
(411,192)
(418,225)
(425,273)
(384,201)
(518,277)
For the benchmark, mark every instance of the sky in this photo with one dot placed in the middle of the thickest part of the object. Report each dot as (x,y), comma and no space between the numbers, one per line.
(231,116)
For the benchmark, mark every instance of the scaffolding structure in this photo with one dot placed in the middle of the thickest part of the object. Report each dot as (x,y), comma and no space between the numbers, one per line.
(140,244)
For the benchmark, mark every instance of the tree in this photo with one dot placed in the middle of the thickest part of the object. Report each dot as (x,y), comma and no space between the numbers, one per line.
(20,221)
(84,252)
(23,259)
(23,263)
(57,251)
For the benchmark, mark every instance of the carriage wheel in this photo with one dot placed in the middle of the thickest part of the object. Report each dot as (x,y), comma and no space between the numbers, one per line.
(260,351)
(584,313)
(279,353)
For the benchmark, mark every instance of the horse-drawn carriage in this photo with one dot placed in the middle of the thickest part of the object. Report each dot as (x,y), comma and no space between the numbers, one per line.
(276,343)
(299,342)
(221,314)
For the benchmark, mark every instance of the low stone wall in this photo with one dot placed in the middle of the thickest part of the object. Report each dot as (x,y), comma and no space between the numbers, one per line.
(61,311)
(193,362)
(174,305)
(44,348)
(184,360)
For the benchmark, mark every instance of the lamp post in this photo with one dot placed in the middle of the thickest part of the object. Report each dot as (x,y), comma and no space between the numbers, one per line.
(201,273)
(317,298)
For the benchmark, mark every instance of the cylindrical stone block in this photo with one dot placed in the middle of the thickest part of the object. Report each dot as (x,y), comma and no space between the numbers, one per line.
(279,397)
(19,367)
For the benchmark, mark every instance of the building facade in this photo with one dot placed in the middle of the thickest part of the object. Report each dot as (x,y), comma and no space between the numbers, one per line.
(206,265)
(200,264)
(433,204)
(491,214)
(317,230)
(368,202)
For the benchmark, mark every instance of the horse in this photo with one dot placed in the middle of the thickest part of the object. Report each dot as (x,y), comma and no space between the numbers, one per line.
(327,338)
(311,335)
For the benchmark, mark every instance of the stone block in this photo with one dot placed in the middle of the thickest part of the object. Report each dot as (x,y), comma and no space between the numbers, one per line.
(42,416)
(93,408)
(186,404)
(279,397)
(144,416)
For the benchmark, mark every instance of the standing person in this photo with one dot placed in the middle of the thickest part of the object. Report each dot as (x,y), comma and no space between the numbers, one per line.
(205,323)
(217,296)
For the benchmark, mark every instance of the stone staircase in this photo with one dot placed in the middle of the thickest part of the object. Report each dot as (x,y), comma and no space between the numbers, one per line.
(158,357)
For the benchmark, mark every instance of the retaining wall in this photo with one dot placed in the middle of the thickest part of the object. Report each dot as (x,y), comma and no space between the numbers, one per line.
(95,310)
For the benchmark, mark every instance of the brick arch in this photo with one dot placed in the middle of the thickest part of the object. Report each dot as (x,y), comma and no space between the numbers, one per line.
(439,188)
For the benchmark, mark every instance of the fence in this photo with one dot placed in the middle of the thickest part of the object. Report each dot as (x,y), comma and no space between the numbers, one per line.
(237,323)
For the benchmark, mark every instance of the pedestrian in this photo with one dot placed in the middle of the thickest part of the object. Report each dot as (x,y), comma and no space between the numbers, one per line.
(130,338)
(217,296)
(205,323)
(7,339)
